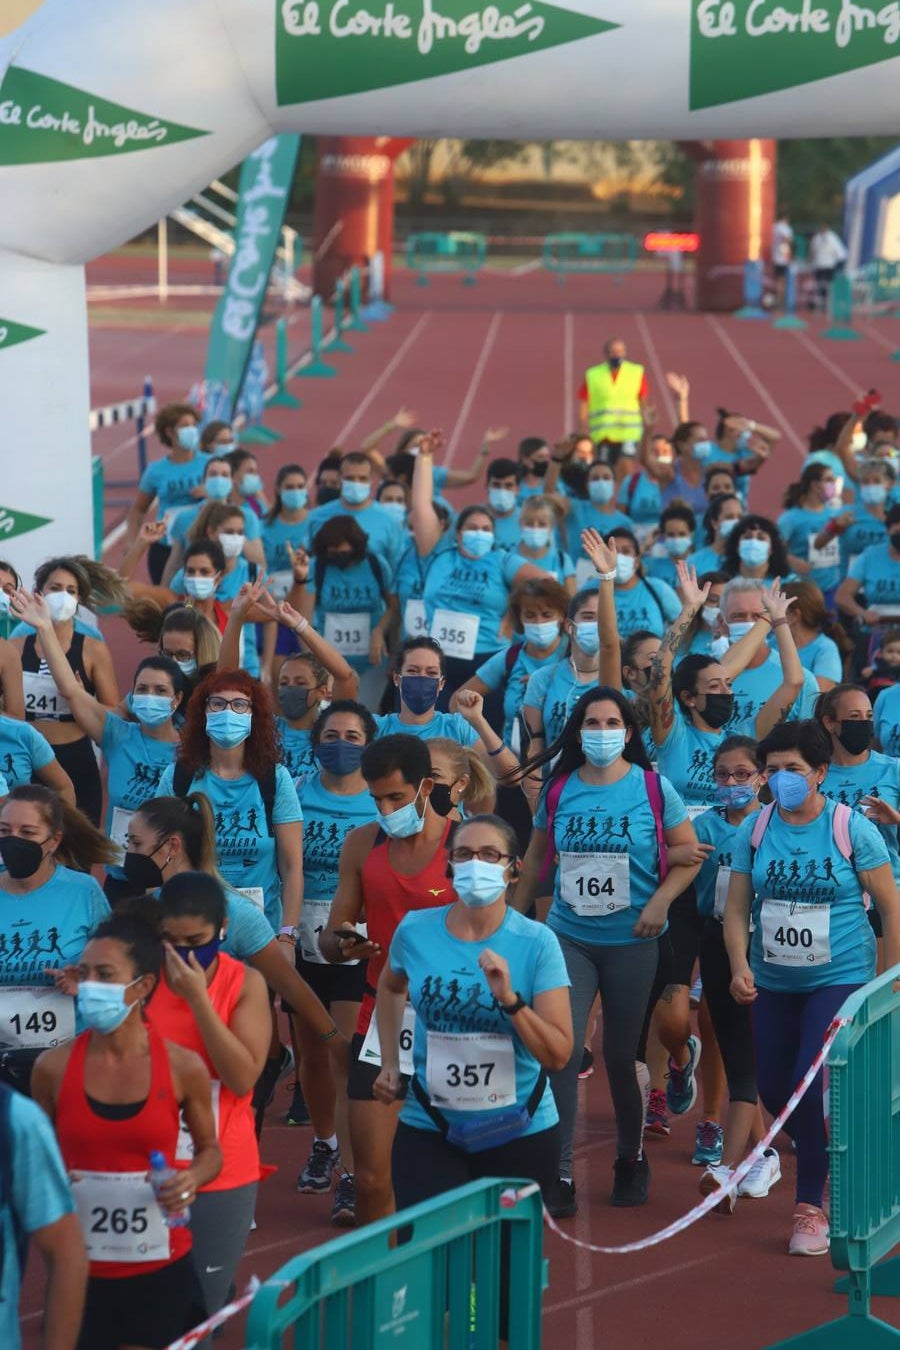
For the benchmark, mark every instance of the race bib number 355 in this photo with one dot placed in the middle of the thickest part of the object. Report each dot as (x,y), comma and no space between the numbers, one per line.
(457,633)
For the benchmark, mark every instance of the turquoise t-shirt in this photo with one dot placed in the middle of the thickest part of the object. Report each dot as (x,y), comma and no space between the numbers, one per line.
(553,560)
(451,996)
(878,575)
(328,817)
(296,749)
(350,590)
(136,763)
(819,935)
(49,926)
(182,522)
(171,484)
(865,531)
(821,657)
(452,725)
(798,528)
(877,776)
(553,691)
(664,569)
(40,1197)
(614,818)
(23,750)
(584,515)
(386,537)
(706,559)
(498,673)
(651,604)
(409,584)
(643,501)
(276,537)
(886,714)
(507,530)
(752,689)
(248,931)
(686,759)
(714,827)
(472,586)
(246,852)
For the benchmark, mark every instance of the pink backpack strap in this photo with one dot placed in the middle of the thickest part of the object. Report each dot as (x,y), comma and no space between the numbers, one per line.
(654,796)
(760,825)
(554,792)
(840,826)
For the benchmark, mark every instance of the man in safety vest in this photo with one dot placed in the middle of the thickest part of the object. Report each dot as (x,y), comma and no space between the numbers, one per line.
(611,397)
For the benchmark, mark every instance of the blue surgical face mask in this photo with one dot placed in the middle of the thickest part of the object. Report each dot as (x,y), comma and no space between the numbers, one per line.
(541,634)
(419,692)
(151,710)
(354,493)
(726,526)
(600,490)
(625,566)
(396,510)
(478,883)
(735,795)
(217,487)
(294,499)
(340,757)
(223,448)
(754,552)
(602,748)
(789,789)
(188,437)
(187,667)
(228,728)
(677,546)
(502,500)
(535,536)
(4,602)
(477,542)
(101,1006)
(738,630)
(250,484)
(206,953)
(403,822)
(873,494)
(587,637)
(200,588)
(703,450)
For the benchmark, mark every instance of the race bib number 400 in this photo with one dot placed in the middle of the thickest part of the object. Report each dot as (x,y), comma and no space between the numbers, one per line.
(595,884)
(35,1018)
(119,1217)
(795,935)
(456,633)
(475,1071)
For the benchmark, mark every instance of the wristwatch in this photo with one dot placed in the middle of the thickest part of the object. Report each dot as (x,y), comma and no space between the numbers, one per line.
(292,934)
(512,1008)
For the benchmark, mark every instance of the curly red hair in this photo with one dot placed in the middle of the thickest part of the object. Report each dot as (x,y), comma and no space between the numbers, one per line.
(261,748)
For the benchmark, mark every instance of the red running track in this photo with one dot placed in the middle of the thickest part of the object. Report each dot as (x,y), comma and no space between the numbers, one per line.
(512,350)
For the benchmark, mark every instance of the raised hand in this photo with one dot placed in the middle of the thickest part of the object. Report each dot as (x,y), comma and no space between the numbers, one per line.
(404,419)
(287,615)
(602,554)
(470,704)
(30,609)
(648,413)
(693,593)
(496,971)
(495,434)
(679,384)
(775,602)
(152,532)
(299,560)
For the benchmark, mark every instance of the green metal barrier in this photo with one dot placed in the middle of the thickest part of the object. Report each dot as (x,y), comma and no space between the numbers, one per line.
(564,253)
(282,398)
(315,368)
(336,342)
(454,252)
(864,1065)
(429,1277)
(97,496)
(840,311)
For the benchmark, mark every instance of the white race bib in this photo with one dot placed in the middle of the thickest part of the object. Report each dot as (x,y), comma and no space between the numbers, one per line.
(42,698)
(349,633)
(595,884)
(118,826)
(414,620)
(184,1148)
(585,573)
(694,811)
(829,555)
(796,935)
(281,584)
(723,878)
(456,633)
(119,1217)
(475,1071)
(254,894)
(370,1050)
(313,920)
(34,1018)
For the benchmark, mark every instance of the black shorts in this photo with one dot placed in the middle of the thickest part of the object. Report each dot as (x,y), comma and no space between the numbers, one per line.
(685,927)
(151,1310)
(330,983)
(361,1077)
(781,269)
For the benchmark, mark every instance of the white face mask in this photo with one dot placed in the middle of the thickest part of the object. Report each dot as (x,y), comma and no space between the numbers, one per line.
(231,544)
(710,615)
(858,442)
(62,605)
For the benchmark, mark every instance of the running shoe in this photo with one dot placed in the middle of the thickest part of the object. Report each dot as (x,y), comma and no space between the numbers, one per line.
(762,1175)
(587,1063)
(560,1200)
(681,1088)
(631,1180)
(810,1235)
(716,1179)
(298,1111)
(343,1210)
(318,1174)
(696,993)
(275,1070)
(709,1141)
(656,1121)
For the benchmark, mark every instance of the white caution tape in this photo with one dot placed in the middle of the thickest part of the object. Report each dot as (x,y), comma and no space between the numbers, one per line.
(199,1333)
(510,1198)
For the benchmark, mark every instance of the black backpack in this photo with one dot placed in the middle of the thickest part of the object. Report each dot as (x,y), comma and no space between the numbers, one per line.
(182,778)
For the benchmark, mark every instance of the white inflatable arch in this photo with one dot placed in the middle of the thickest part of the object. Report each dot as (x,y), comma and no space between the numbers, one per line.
(114,111)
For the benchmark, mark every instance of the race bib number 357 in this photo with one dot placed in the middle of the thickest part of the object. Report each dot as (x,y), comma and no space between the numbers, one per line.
(474,1071)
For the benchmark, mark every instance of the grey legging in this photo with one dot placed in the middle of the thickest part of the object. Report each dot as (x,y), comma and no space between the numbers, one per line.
(220,1224)
(624,977)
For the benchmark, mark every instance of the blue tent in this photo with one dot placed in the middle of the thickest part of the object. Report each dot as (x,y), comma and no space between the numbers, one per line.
(872,212)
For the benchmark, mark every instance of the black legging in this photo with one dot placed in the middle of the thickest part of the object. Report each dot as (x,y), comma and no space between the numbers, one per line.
(80,763)
(731,1020)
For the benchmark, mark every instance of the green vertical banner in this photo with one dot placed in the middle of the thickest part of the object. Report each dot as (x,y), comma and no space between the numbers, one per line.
(264,189)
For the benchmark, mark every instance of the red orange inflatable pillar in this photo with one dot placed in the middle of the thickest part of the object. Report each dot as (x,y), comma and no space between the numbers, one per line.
(354,206)
(735,212)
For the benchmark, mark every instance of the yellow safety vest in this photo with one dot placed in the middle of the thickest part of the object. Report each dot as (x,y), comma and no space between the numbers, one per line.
(614,406)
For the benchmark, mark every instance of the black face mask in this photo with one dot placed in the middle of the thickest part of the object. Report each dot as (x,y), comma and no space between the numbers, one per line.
(895,540)
(440,799)
(539,468)
(294,701)
(614,362)
(856,735)
(326,494)
(143,873)
(341,559)
(718,710)
(21,857)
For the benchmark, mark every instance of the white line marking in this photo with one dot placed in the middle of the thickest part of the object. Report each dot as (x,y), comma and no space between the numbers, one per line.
(743,365)
(878,337)
(113,537)
(584,1273)
(622,1286)
(474,382)
(383,377)
(829,365)
(658,373)
(522,269)
(568,370)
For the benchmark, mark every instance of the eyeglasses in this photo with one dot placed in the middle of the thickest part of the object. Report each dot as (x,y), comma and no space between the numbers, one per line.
(488,855)
(739,775)
(215,703)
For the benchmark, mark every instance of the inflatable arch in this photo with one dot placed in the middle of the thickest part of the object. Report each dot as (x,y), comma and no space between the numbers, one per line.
(113,111)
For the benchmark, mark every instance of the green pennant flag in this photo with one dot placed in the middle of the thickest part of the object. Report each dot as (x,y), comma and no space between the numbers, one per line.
(331,48)
(11,333)
(43,120)
(14,522)
(744,48)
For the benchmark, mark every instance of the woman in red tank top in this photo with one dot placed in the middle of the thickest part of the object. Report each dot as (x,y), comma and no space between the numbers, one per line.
(218,1007)
(113,1094)
(387,869)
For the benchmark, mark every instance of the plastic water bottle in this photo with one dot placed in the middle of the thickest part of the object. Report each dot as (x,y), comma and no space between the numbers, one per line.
(160,1171)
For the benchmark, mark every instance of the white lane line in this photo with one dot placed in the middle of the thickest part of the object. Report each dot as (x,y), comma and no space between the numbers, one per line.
(658,373)
(752,379)
(584,1273)
(830,366)
(607,1289)
(486,347)
(877,337)
(568,371)
(383,378)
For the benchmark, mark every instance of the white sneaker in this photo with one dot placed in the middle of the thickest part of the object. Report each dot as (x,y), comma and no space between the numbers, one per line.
(715,1178)
(762,1175)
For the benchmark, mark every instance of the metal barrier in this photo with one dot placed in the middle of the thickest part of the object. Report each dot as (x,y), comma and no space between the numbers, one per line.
(137,410)
(864,1121)
(790,319)
(454,252)
(97,499)
(564,253)
(840,311)
(754,284)
(430,1275)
